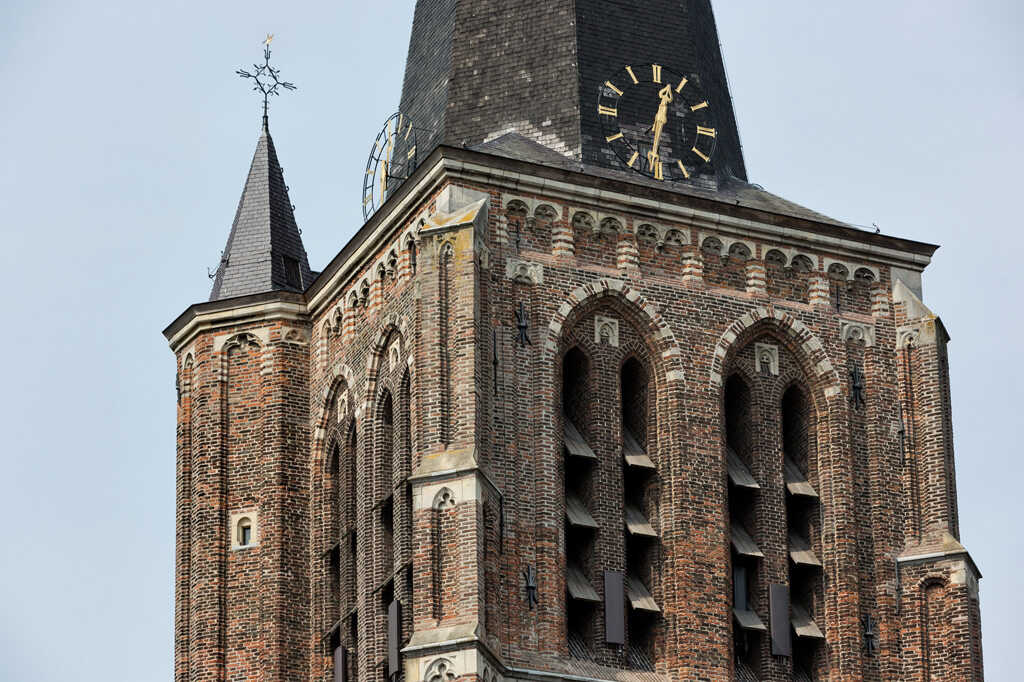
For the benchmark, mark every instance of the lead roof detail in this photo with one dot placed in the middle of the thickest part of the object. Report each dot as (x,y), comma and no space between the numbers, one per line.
(264,251)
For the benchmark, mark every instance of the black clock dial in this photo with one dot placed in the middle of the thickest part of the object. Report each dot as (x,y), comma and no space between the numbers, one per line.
(392,160)
(657,121)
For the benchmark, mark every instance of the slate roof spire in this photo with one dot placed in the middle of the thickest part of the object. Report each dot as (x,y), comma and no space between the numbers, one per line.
(479,69)
(264,250)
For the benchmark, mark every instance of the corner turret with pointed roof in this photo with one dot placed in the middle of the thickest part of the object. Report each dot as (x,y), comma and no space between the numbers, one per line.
(264,251)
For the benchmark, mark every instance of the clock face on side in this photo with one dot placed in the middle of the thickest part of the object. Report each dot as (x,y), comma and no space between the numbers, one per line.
(392,160)
(657,121)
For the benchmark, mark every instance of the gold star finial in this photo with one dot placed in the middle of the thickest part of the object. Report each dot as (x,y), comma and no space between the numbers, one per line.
(270,39)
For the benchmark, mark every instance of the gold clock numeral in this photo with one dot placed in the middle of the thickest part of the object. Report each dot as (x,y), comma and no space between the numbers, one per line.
(632,75)
(682,84)
(659,171)
(709,132)
(408,130)
(367,199)
(607,111)
(612,138)
(611,86)
(686,173)
(697,107)
(656,73)
(633,159)
(370,171)
(412,153)
(701,154)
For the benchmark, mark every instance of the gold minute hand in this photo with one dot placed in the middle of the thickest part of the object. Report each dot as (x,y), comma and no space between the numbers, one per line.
(385,164)
(659,123)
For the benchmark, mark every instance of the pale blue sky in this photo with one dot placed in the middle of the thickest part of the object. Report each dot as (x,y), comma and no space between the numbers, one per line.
(124,141)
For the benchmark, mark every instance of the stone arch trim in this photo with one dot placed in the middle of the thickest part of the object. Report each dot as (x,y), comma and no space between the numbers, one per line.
(824,372)
(443,499)
(663,337)
(256,338)
(932,579)
(186,375)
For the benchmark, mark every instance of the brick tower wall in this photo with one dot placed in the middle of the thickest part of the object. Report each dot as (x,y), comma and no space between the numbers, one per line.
(459,487)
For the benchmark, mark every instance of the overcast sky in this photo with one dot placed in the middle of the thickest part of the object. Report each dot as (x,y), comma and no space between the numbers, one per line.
(125,138)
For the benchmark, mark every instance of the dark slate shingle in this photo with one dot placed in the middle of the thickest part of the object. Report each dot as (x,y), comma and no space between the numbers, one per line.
(263,235)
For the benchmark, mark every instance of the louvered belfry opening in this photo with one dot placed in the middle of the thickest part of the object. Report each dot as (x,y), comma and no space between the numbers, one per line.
(803,520)
(384,515)
(405,513)
(639,509)
(385,502)
(746,556)
(349,546)
(340,638)
(333,492)
(580,527)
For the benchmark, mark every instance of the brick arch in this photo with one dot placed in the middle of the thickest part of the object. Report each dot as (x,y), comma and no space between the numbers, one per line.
(222,346)
(932,580)
(661,336)
(341,378)
(393,324)
(810,351)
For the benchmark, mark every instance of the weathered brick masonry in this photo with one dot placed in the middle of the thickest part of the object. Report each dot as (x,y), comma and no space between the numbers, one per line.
(395,418)
(542,419)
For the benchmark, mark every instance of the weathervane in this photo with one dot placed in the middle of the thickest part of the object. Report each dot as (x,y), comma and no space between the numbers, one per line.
(266,77)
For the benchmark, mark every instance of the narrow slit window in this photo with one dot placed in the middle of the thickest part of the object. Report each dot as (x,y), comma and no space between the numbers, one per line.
(244,532)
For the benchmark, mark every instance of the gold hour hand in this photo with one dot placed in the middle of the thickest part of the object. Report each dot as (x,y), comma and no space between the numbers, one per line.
(659,123)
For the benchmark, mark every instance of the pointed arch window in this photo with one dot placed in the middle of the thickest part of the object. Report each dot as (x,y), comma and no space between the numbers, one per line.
(580,526)
(640,485)
(803,514)
(342,637)
(385,507)
(746,555)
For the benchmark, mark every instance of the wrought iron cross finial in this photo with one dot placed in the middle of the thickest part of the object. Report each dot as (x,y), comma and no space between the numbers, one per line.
(265,77)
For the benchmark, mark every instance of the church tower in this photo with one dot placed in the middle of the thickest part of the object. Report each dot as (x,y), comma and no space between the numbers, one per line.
(577,402)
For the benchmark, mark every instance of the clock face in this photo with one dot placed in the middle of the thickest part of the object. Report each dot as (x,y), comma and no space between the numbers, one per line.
(658,121)
(392,160)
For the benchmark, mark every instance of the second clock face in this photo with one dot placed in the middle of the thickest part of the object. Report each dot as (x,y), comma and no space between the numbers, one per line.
(392,160)
(658,121)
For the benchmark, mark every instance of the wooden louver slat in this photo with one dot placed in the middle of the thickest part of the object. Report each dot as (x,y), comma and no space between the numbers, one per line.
(639,596)
(739,474)
(743,543)
(803,626)
(578,586)
(574,443)
(749,620)
(796,482)
(577,513)
(634,454)
(800,552)
(637,524)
